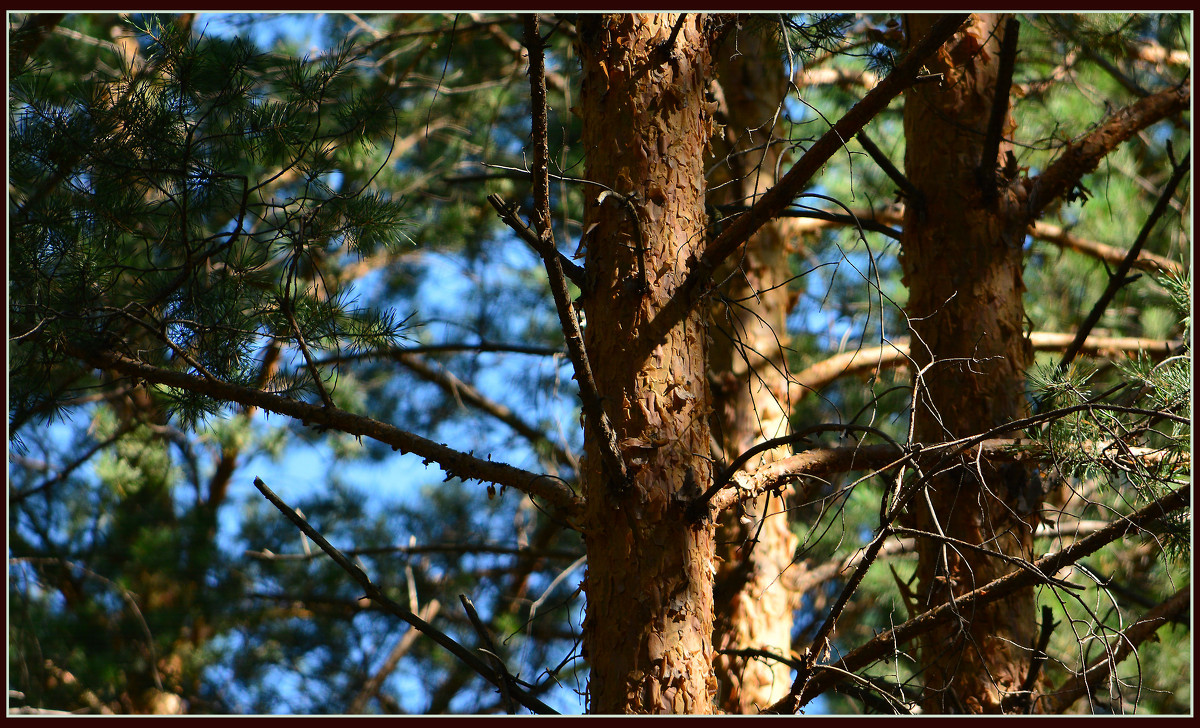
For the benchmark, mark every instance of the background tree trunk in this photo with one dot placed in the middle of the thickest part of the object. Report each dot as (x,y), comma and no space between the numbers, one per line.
(648,631)
(755,545)
(962,262)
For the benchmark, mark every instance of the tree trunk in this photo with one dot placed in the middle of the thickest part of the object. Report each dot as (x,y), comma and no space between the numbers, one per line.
(962,262)
(755,546)
(648,630)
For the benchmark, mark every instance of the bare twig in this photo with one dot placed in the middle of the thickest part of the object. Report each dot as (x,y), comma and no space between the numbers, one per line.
(1023,697)
(1127,642)
(910,192)
(375,594)
(546,250)
(810,684)
(504,677)
(468,394)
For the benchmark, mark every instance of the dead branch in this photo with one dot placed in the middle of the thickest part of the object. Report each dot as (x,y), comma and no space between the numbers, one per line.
(593,407)
(1118,279)
(1127,641)
(375,594)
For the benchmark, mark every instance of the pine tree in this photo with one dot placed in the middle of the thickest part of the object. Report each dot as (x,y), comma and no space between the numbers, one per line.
(222,253)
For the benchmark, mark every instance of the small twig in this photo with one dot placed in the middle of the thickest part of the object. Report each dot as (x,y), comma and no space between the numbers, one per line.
(1127,642)
(375,594)
(489,648)
(1023,697)
(308,359)
(508,213)
(811,683)
(986,173)
(451,461)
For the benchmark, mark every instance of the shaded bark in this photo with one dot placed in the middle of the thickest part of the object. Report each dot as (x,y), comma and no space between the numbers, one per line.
(755,545)
(962,262)
(648,630)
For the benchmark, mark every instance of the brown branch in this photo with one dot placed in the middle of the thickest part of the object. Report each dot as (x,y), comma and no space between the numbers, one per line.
(1082,684)
(986,172)
(371,688)
(828,460)
(821,679)
(895,353)
(453,462)
(503,677)
(1109,254)
(796,180)
(589,396)
(375,594)
(1084,155)
(878,219)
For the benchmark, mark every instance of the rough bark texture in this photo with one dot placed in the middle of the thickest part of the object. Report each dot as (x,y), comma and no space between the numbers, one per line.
(648,630)
(962,263)
(754,605)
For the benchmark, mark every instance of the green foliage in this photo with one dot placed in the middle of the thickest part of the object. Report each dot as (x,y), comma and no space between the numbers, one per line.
(168,209)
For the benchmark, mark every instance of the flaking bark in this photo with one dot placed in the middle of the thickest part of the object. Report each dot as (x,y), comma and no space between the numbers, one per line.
(647,634)
(962,262)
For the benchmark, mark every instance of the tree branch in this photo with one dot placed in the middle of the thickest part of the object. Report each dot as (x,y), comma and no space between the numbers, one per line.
(1107,253)
(453,462)
(910,193)
(1118,279)
(988,446)
(896,353)
(593,407)
(986,173)
(468,394)
(374,683)
(1084,155)
(1127,642)
(807,687)
(375,594)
